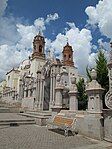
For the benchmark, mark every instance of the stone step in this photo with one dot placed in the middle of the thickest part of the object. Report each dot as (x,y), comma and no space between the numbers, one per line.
(39,113)
(16,121)
(40,118)
(4,110)
(34,115)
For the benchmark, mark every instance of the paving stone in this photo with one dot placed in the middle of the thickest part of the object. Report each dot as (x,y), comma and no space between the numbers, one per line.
(37,137)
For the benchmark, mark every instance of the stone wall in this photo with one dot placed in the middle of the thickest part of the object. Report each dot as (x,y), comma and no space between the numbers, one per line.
(90,126)
(28,103)
(107,124)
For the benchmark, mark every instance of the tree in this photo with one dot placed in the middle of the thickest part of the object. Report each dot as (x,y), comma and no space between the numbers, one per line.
(88,70)
(82,96)
(102,72)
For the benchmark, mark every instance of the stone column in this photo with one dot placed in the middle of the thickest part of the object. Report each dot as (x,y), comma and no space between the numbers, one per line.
(58,95)
(53,89)
(20,89)
(51,96)
(42,92)
(38,89)
(94,92)
(24,93)
(29,93)
(73,105)
(93,122)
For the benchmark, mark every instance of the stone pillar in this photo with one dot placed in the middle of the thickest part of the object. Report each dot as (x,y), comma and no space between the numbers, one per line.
(93,123)
(94,92)
(58,95)
(38,89)
(73,105)
(29,93)
(40,97)
(51,90)
(42,92)
(20,89)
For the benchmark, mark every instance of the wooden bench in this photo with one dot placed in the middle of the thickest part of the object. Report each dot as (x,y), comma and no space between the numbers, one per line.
(64,123)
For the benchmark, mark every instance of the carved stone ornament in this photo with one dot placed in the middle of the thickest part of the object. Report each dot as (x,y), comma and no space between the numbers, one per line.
(110,75)
(108,99)
(108,96)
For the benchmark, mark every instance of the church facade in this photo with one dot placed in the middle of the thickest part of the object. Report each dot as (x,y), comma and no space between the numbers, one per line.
(35,83)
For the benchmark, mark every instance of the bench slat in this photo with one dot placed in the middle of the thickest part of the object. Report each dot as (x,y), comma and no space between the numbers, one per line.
(63,121)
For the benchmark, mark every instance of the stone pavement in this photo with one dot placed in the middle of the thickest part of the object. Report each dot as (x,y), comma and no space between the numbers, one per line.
(36,137)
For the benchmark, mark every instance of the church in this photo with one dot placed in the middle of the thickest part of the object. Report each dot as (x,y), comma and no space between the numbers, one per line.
(45,88)
(41,82)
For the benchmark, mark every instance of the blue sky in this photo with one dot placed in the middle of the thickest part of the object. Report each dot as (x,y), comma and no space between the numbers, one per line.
(85,23)
(68,10)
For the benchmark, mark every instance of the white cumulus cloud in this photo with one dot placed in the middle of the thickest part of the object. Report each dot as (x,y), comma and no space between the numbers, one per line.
(16,40)
(40,23)
(101,15)
(52,17)
(80,40)
(10,57)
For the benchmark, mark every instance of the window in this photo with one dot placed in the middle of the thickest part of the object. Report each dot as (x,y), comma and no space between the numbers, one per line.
(8,77)
(40,49)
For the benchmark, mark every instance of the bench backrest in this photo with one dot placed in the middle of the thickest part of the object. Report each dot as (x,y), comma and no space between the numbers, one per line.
(59,120)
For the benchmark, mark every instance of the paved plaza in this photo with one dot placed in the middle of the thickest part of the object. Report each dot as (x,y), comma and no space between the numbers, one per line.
(36,137)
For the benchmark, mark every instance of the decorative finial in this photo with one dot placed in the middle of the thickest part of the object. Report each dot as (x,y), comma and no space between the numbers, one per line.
(93,74)
(67,41)
(101,46)
(49,54)
(39,33)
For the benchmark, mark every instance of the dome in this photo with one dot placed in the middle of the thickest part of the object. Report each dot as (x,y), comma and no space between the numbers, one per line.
(25,63)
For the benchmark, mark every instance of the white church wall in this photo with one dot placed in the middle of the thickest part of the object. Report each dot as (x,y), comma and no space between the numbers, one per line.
(36,64)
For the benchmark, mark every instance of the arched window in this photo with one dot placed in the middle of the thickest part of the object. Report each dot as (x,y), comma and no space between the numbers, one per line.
(70,57)
(64,57)
(40,49)
(8,77)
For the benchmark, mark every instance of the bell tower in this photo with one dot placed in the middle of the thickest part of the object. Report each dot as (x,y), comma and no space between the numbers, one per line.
(68,55)
(38,47)
(38,56)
